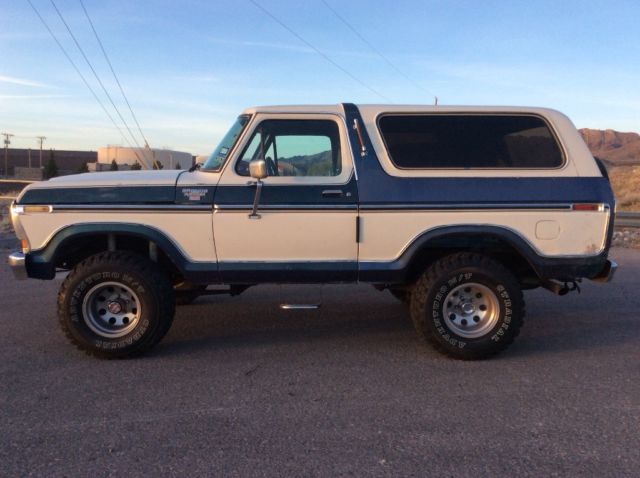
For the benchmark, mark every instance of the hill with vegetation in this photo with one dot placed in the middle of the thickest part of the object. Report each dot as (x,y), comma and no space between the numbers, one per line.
(620,153)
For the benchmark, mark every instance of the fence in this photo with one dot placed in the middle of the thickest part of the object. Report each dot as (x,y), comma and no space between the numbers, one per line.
(627,219)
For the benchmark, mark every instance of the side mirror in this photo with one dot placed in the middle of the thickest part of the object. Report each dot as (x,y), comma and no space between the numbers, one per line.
(258,169)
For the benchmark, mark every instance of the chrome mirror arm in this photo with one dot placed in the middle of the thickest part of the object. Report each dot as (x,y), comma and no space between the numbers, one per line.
(256,200)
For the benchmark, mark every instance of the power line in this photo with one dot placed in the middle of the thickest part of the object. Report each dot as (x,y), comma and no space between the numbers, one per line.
(95,74)
(319,52)
(376,51)
(84,80)
(106,57)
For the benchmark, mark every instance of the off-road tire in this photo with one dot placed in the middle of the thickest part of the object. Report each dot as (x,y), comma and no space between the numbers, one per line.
(151,287)
(449,274)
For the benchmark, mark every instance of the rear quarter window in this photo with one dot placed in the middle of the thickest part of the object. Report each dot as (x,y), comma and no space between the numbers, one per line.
(470,142)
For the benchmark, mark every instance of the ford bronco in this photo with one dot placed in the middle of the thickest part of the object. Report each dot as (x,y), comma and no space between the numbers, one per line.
(454,210)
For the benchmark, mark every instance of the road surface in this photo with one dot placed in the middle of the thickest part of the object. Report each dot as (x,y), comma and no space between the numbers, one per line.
(240,388)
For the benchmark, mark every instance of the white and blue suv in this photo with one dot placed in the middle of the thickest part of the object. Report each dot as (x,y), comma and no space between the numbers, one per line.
(455,210)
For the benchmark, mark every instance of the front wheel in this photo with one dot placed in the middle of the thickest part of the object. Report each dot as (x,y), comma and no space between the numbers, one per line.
(468,306)
(115,304)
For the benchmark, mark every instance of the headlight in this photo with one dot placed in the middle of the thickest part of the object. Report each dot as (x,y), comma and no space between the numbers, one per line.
(16,211)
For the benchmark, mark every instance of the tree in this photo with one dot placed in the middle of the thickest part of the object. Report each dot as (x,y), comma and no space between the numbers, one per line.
(51,168)
(83,168)
(136,166)
(157,164)
(114,165)
(178,166)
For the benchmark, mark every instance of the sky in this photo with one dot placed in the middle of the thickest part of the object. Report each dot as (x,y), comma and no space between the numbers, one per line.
(190,67)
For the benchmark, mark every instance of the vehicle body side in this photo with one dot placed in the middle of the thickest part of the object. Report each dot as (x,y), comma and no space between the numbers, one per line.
(385,224)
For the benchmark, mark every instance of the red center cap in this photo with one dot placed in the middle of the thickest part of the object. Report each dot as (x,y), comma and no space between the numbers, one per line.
(114,307)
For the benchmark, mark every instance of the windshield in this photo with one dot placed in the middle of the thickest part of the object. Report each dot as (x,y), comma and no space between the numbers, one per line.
(219,155)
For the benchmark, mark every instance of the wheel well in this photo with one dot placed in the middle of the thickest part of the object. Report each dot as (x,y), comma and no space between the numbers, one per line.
(490,245)
(77,248)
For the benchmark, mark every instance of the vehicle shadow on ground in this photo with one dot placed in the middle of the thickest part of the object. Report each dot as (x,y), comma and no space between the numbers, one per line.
(233,322)
(380,322)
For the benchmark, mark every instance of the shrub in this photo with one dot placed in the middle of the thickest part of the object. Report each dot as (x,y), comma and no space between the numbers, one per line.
(51,168)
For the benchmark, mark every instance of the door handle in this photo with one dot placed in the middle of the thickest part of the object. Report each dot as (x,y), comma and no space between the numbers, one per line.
(332,193)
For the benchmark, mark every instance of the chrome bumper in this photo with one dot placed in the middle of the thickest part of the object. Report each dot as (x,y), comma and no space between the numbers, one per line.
(16,261)
(607,272)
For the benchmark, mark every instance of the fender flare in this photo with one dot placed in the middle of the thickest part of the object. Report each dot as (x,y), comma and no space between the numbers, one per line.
(41,262)
(396,271)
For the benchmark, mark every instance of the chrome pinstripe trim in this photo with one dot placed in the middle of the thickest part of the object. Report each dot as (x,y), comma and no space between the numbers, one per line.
(316,207)
(132,207)
(287,207)
(465,206)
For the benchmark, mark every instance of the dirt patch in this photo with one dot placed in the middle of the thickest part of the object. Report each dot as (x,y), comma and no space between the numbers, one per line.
(625,181)
(627,237)
(7,237)
(5,220)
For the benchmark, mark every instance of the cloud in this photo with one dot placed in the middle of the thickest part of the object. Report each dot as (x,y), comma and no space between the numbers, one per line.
(31,97)
(260,44)
(290,47)
(495,74)
(198,78)
(23,82)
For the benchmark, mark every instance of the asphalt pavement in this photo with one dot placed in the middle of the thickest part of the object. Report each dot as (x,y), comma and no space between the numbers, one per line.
(241,388)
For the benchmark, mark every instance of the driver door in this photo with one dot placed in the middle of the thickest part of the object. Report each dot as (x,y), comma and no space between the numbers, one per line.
(306,225)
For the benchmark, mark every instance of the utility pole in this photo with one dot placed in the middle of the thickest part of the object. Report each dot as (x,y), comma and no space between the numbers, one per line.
(41,140)
(7,142)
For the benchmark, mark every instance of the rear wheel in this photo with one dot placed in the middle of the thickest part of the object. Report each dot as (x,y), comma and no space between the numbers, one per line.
(467,306)
(115,304)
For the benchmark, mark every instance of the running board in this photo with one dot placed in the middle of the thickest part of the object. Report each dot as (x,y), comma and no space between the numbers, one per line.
(300,306)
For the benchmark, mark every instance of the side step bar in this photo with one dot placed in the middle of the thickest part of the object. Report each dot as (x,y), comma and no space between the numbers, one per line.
(300,306)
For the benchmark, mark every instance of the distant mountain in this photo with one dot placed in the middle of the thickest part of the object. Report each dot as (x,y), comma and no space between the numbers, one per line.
(615,148)
(310,165)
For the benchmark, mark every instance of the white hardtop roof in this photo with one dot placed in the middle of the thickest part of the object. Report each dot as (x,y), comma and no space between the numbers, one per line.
(374,109)
(335,109)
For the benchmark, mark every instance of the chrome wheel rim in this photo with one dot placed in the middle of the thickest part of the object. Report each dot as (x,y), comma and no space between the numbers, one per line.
(471,310)
(111,309)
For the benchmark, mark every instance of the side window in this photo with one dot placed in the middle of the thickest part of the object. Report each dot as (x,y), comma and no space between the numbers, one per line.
(470,142)
(294,148)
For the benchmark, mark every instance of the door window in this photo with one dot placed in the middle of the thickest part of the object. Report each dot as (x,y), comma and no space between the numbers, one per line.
(294,148)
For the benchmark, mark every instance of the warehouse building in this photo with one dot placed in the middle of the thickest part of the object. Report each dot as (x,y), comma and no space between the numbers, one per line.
(127,157)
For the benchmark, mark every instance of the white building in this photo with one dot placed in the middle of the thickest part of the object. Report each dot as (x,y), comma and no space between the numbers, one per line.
(129,156)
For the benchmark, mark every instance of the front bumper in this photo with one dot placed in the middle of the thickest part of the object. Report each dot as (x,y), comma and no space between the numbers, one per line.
(17,262)
(607,272)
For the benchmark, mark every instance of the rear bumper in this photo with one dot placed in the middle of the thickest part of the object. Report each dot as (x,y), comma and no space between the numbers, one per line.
(607,272)
(17,262)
